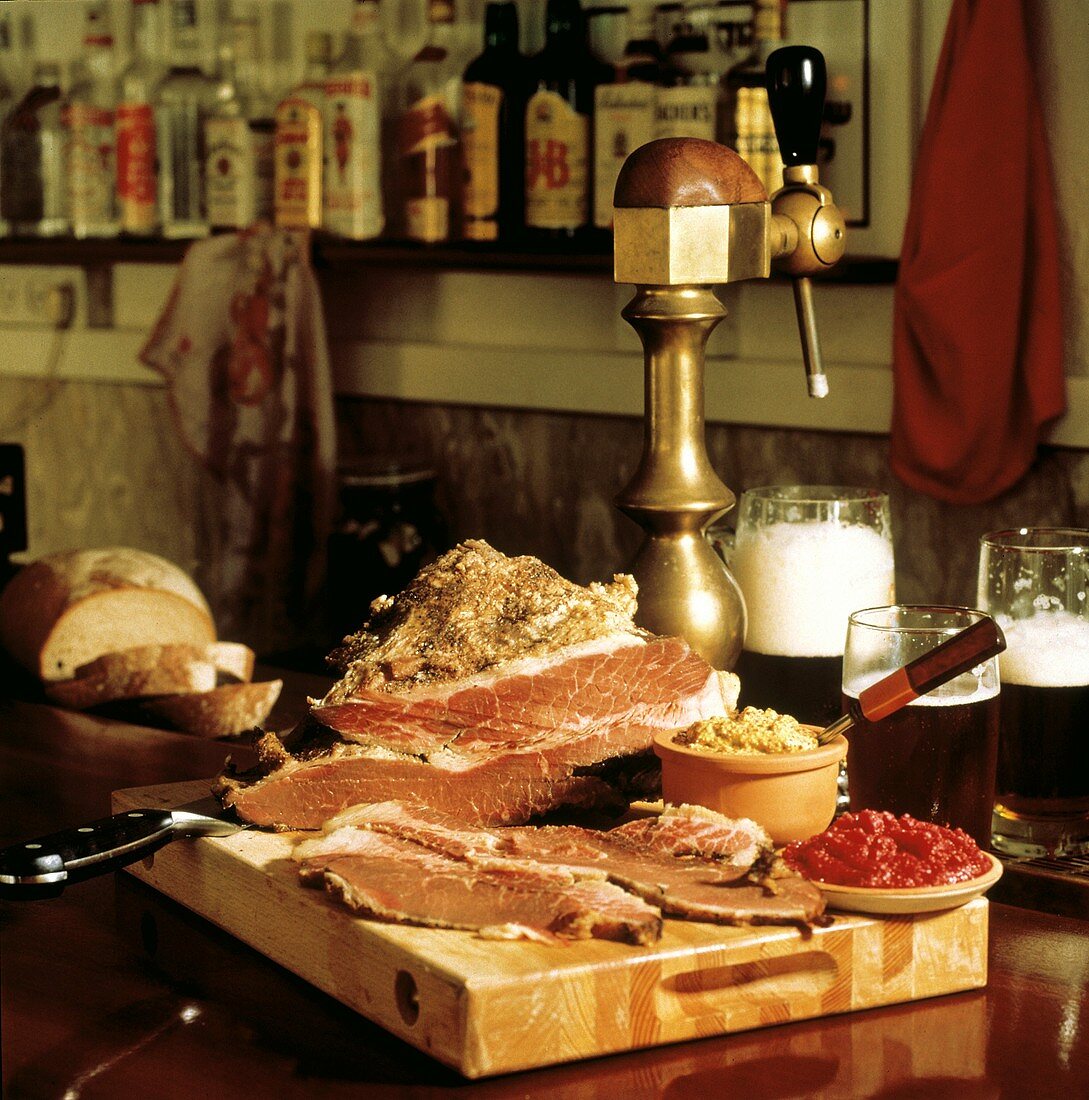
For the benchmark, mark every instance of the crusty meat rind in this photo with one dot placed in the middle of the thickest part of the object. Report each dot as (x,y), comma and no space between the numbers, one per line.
(471,609)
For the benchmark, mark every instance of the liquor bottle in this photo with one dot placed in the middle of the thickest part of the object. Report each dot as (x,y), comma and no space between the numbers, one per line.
(668,18)
(428,154)
(297,158)
(7,93)
(88,116)
(493,131)
(688,101)
(732,37)
(238,136)
(33,196)
(352,187)
(624,110)
(137,173)
(561,101)
(185,97)
(750,129)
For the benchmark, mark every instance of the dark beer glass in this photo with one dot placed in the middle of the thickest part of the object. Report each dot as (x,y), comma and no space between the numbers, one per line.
(1035,581)
(935,758)
(805,557)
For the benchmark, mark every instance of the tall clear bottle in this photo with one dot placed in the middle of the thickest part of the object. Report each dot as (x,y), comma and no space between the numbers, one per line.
(33,195)
(493,131)
(137,172)
(88,114)
(299,141)
(624,109)
(352,188)
(7,92)
(750,129)
(689,101)
(238,135)
(184,100)
(428,155)
(561,102)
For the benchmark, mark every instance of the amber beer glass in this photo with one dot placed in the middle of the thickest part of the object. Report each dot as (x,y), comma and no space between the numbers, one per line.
(935,758)
(1035,582)
(805,557)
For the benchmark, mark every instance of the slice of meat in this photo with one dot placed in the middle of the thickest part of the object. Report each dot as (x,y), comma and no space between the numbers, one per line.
(746,886)
(696,831)
(394,879)
(631,687)
(304,792)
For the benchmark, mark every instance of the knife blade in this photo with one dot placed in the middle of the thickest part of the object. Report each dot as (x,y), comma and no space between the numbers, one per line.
(41,868)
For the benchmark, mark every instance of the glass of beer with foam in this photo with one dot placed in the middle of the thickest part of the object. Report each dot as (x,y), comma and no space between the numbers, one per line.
(1035,582)
(934,758)
(805,557)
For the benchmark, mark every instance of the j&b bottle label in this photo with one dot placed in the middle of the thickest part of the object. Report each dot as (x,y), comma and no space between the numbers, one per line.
(557,163)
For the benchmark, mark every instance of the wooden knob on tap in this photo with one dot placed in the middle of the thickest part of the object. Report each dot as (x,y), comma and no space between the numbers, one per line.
(686,172)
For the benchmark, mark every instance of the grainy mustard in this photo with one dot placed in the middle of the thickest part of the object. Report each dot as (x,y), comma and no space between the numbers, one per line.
(751,731)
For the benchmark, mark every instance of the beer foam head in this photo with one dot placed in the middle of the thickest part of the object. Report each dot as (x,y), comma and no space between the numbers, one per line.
(1048,649)
(802,580)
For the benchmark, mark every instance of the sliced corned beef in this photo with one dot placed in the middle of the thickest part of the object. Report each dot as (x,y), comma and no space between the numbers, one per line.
(394,879)
(491,689)
(746,886)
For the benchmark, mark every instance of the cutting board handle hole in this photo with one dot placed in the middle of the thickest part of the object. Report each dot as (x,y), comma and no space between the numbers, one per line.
(811,971)
(407,997)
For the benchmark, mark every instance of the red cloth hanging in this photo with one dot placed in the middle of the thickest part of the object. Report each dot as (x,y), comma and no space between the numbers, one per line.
(977,325)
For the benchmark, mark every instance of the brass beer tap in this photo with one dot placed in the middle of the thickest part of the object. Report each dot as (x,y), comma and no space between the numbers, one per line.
(688,215)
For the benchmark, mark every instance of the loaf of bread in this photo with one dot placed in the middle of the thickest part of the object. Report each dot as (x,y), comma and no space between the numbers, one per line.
(67,609)
(126,629)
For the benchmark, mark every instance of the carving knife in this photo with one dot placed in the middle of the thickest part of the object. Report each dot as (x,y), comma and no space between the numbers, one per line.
(41,868)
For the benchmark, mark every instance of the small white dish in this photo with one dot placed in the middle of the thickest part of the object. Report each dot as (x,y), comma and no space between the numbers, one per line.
(902,902)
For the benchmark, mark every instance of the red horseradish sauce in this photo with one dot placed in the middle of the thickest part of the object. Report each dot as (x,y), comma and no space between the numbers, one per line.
(875,848)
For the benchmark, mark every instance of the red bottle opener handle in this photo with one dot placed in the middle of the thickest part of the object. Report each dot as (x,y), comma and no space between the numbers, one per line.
(966,649)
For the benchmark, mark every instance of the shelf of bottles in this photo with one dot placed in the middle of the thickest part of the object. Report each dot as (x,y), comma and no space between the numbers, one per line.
(487,161)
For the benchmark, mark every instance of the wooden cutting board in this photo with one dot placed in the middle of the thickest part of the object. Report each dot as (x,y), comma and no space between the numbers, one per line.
(487,1007)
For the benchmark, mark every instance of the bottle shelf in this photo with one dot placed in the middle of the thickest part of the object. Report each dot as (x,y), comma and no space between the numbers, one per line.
(335,254)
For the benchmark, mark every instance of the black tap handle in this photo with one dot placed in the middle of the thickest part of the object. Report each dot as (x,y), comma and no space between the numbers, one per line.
(797,79)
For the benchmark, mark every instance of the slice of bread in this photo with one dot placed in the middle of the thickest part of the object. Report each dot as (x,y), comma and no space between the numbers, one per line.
(65,610)
(223,712)
(152,670)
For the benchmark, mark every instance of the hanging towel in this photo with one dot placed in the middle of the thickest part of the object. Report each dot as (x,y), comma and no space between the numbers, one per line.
(241,343)
(977,328)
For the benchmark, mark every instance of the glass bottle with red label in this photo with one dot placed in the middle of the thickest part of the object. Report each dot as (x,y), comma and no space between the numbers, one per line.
(137,186)
(558,113)
(88,117)
(299,141)
(352,187)
(493,131)
(428,153)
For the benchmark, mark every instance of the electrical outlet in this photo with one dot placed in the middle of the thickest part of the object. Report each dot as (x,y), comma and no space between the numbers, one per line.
(12,499)
(42,297)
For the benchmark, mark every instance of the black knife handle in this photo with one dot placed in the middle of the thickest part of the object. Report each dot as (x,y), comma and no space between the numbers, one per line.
(796,80)
(42,868)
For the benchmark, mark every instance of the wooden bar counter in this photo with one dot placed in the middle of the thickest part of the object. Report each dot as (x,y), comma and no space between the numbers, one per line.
(113,991)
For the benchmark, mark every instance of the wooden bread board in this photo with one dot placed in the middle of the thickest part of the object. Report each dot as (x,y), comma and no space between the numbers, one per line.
(487,1007)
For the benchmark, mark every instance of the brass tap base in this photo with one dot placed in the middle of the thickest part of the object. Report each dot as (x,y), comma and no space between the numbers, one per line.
(686,591)
(684,587)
